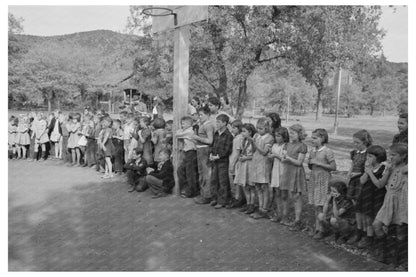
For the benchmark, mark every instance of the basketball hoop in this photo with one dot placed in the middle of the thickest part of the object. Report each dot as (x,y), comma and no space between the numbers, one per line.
(150,12)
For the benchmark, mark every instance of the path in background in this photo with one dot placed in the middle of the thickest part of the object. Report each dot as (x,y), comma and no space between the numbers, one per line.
(68,219)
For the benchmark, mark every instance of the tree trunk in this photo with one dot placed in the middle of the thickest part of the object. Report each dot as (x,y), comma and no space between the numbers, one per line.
(371,110)
(219,43)
(241,100)
(59,103)
(49,105)
(318,105)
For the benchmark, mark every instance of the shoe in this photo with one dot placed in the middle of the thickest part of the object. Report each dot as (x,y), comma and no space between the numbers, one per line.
(202,200)
(365,242)
(259,214)
(296,226)
(213,203)
(133,188)
(356,237)
(105,176)
(275,217)
(219,206)
(251,209)
(286,222)
(318,236)
(161,194)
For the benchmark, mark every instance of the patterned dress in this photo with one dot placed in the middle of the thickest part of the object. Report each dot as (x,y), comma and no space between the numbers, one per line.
(242,174)
(237,144)
(261,165)
(394,209)
(73,130)
(12,134)
(358,162)
(24,138)
(319,178)
(293,177)
(41,133)
(277,165)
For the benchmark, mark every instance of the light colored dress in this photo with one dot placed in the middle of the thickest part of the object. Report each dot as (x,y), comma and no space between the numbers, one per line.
(73,130)
(293,177)
(319,178)
(41,132)
(261,166)
(395,205)
(12,134)
(24,138)
(234,163)
(277,165)
(242,173)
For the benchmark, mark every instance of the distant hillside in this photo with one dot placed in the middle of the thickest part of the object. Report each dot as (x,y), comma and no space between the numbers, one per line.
(75,63)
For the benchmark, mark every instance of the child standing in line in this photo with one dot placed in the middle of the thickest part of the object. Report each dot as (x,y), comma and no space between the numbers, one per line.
(220,154)
(321,162)
(91,147)
(293,178)
(41,133)
(362,140)
(144,138)
(242,174)
(106,146)
(24,138)
(65,155)
(74,128)
(158,137)
(134,143)
(394,209)
(128,129)
(168,129)
(281,136)
(13,122)
(56,133)
(83,141)
(371,198)
(188,168)
(118,154)
(261,166)
(98,135)
(32,127)
(338,211)
(236,191)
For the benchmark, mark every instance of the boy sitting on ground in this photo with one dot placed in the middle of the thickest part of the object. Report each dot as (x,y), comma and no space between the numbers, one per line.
(161,180)
(136,169)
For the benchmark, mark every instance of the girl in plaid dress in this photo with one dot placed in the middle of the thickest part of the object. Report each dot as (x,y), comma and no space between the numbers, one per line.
(321,162)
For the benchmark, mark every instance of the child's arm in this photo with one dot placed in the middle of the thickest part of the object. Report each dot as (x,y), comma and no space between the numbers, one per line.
(210,136)
(326,206)
(298,161)
(383,180)
(183,134)
(155,138)
(265,149)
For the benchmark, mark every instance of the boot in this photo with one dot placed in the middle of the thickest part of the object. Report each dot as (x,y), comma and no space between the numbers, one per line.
(365,242)
(44,155)
(356,237)
(380,249)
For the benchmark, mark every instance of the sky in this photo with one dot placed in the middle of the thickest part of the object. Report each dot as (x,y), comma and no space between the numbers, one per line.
(58,20)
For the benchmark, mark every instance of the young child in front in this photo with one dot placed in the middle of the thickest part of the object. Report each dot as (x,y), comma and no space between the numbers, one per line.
(74,128)
(24,138)
(105,144)
(362,140)
(128,129)
(220,153)
(293,178)
(136,169)
(261,166)
(118,154)
(41,133)
(371,198)
(337,212)
(321,162)
(236,191)
(281,136)
(188,168)
(161,181)
(394,208)
(242,174)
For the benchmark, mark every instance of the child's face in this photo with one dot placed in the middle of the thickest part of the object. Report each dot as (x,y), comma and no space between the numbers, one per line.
(74,120)
(105,123)
(245,133)
(220,124)
(278,137)
(402,124)
(293,135)
(334,192)
(203,116)
(96,120)
(371,159)
(261,129)
(122,117)
(396,158)
(186,124)
(91,124)
(213,108)
(316,140)
(359,144)
(235,131)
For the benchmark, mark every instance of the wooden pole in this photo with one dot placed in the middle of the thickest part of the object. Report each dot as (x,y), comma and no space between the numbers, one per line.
(180,88)
(337,106)
(288,107)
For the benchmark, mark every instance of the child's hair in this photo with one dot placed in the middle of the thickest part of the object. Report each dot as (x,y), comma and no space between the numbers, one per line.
(196,100)
(339,185)
(237,124)
(404,115)
(117,121)
(276,121)
(145,120)
(205,110)
(166,151)
(264,121)
(224,118)
(169,122)
(108,119)
(322,133)
(364,136)
(214,101)
(188,119)
(250,128)
(283,132)
(76,116)
(378,151)
(300,130)
(159,123)
(400,148)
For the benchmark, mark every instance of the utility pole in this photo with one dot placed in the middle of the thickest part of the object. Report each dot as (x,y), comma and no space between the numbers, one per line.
(338,95)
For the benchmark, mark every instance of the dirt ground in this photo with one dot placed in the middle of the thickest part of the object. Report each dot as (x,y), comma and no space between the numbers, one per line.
(68,219)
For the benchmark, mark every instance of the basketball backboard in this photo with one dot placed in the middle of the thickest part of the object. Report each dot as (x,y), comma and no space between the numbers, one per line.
(184,15)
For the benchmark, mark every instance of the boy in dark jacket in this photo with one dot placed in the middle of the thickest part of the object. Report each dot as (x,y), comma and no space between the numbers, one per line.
(161,180)
(136,170)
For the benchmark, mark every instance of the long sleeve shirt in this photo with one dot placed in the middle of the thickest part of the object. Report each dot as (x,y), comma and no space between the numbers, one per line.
(222,145)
